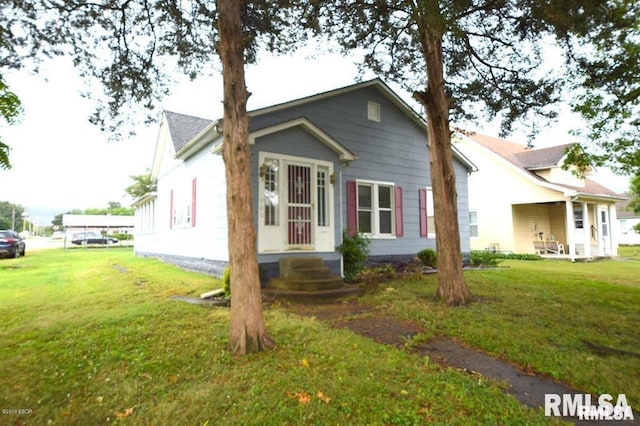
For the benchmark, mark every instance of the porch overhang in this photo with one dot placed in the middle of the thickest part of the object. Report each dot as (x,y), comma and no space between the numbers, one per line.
(144,199)
(596,198)
(344,154)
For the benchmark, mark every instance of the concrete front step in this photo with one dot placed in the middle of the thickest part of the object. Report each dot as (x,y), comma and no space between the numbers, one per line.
(346,291)
(302,284)
(307,279)
(288,265)
(310,273)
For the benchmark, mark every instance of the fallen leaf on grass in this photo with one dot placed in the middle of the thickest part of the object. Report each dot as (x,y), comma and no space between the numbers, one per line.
(304,363)
(126,413)
(302,397)
(322,397)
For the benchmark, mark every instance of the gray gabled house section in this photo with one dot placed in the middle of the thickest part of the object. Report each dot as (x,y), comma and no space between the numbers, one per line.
(350,159)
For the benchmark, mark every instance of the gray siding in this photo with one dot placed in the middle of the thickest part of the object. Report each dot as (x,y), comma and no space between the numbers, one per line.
(393,150)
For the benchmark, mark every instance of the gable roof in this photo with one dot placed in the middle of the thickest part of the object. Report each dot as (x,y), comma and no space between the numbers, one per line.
(183,128)
(528,160)
(190,134)
(384,89)
(543,158)
(376,82)
(623,211)
(305,124)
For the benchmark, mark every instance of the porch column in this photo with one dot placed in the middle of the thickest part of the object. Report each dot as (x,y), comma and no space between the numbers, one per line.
(614,229)
(602,240)
(586,224)
(571,243)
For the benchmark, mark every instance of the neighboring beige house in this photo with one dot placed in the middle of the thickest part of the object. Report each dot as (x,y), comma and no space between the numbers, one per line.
(522,195)
(627,219)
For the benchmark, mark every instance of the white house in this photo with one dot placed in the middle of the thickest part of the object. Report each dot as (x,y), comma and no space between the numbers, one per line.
(521,195)
(627,220)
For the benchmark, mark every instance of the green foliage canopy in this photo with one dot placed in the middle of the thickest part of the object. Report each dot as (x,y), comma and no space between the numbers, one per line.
(634,192)
(11,214)
(142,184)
(493,54)
(135,47)
(10,111)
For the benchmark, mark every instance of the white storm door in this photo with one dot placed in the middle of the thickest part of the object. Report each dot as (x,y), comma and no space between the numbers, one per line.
(300,202)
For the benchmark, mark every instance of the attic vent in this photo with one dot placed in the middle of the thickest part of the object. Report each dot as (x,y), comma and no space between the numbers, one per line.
(373,111)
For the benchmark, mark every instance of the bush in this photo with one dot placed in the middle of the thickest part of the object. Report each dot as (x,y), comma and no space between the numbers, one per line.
(123,237)
(519,256)
(354,250)
(226,282)
(428,257)
(484,259)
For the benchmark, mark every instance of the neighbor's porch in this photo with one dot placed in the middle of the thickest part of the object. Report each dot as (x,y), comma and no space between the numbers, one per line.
(581,228)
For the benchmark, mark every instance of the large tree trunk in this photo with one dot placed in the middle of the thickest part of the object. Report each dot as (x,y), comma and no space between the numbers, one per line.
(451,285)
(248,332)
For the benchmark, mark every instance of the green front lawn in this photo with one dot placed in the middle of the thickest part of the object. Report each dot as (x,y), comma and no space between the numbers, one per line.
(576,322)
(93,337)
(629,252)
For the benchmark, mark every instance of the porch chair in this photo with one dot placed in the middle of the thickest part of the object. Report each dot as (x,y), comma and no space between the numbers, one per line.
(539,247)
(554,247)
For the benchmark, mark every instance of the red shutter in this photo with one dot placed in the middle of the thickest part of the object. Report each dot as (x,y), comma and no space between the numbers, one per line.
(422,200)
(193,202)
(171,209)
(399,224)
(352,208)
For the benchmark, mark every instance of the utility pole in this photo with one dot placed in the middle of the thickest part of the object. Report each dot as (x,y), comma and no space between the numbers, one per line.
(13,218)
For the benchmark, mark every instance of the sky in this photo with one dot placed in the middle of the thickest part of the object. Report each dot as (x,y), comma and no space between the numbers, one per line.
(62,162)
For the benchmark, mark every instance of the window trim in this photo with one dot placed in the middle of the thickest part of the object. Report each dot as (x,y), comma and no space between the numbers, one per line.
(374,111)
(472,224)
(375,208)
(183,206)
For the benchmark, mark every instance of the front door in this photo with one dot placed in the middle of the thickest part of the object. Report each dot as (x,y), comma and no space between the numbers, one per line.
(299,206)
(295,204)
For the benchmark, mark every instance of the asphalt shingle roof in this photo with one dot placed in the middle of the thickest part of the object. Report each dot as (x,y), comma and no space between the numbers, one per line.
(542,158)
(532,159)
(184,128)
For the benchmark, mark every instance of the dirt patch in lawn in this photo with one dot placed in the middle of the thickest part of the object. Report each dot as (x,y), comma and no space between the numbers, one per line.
(525,385)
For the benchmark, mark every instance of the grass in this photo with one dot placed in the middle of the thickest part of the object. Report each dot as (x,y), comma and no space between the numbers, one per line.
(93,337)
(547,316)
(629,252)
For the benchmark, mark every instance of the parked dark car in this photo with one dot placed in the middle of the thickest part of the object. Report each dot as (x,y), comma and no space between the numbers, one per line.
(11,244)
(92,238)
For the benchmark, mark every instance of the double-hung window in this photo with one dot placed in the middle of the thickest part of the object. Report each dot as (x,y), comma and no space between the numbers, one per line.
(473,223)
(376,208)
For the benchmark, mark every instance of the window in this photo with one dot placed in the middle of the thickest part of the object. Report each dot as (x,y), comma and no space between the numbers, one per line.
(431,218)
(183,207)
(473,223)
(577,218)
(270,169)
(605,225)
(373,111)
(427,215)
(323,196)
(375,208)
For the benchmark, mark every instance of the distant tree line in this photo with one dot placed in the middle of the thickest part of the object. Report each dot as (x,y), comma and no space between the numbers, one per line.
(11,216)
(114,208)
